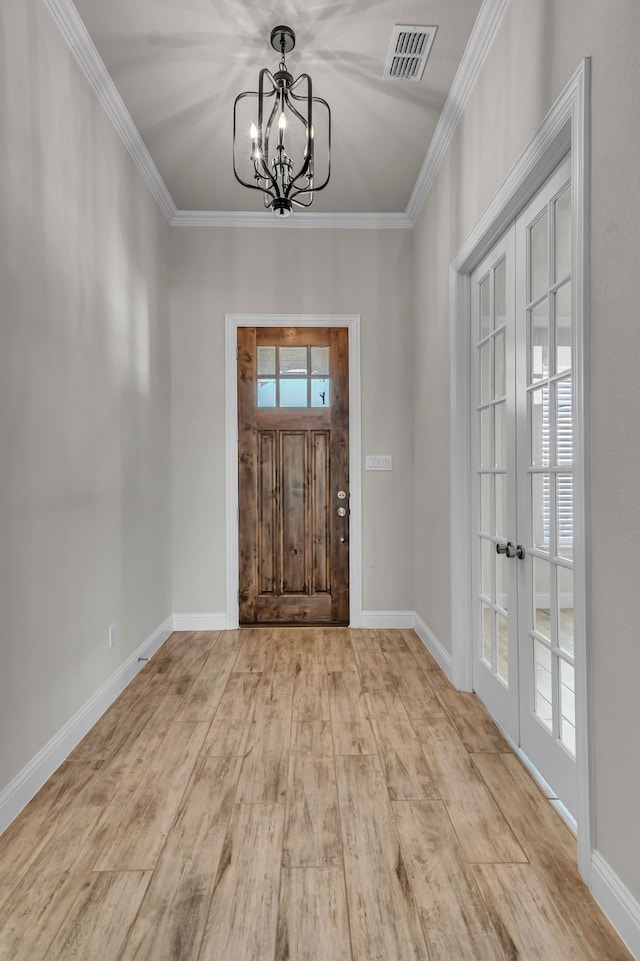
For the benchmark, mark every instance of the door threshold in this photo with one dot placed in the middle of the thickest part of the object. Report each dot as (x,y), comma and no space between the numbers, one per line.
(294,624)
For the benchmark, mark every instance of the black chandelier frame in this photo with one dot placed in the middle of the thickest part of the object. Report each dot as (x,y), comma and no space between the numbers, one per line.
(273,169)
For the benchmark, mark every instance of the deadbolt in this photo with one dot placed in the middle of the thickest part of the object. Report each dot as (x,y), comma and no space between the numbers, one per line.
(342,512)
(342,495)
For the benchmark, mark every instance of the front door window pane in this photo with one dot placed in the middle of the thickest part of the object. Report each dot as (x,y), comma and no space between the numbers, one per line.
(293,392)
(266,360)
(319,360)
(266,392)
(293,360)
(319,392)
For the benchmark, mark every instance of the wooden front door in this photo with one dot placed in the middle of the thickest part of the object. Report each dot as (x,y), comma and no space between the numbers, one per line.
(293,475)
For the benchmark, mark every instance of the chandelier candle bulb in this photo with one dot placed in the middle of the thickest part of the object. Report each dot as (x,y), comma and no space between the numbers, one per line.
(284,173)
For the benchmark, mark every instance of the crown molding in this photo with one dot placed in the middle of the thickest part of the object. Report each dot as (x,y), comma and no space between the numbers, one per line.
(75,33)
(244,218)
(484,30)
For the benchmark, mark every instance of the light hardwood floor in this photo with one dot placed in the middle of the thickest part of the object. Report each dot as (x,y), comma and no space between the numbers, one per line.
(294,795)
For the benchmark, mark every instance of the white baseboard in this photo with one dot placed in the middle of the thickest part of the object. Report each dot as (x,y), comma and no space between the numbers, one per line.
(387,619)
(617,902)
(202,622)
(433,645)
(17,794)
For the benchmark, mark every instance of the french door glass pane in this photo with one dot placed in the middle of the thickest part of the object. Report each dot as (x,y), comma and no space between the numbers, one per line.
(487,557)
(568,706)
(539,358)
(487,633)
(485,503)
(563,328)
(543,683)
(501,505)
(539,257)
(485,373)
(502,637)
(500,292)
(542,595)
(500,372)
(540,511)
(502,580)
(563,234)
(564,515)
(539,402)
(485,308)
(485,437)
(564,422)
(565,610)
(501,435)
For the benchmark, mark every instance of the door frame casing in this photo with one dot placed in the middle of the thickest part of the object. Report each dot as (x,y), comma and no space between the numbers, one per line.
(566,127)
(352,323)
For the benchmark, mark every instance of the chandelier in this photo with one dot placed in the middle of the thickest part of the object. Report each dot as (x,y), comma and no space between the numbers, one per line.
(275,152)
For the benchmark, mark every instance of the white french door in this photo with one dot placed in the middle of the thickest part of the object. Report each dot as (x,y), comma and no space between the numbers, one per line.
(522,501)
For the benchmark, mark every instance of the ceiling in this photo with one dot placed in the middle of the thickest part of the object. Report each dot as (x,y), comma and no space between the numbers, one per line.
(179,64)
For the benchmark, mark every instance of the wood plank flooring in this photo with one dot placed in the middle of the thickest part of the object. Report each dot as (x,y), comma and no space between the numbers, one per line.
(294,795)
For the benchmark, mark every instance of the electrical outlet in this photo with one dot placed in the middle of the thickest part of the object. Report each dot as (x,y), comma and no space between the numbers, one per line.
(113,633)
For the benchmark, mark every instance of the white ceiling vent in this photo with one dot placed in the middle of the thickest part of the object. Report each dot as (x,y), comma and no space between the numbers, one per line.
(408,52)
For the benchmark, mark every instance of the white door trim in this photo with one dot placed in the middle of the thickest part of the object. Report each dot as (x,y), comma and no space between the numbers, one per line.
(566,127)
(352,323)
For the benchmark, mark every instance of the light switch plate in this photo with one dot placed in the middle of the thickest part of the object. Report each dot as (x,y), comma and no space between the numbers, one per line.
(379,462)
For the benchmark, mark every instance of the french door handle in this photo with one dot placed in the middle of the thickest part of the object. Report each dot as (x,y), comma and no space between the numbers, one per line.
(509,549)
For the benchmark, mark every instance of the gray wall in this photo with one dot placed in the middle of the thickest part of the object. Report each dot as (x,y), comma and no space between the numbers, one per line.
(288,270)
(536,51)
(84,392)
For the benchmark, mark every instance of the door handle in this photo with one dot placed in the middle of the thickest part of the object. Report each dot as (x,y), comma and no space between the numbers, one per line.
(511,550)
(342,512)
